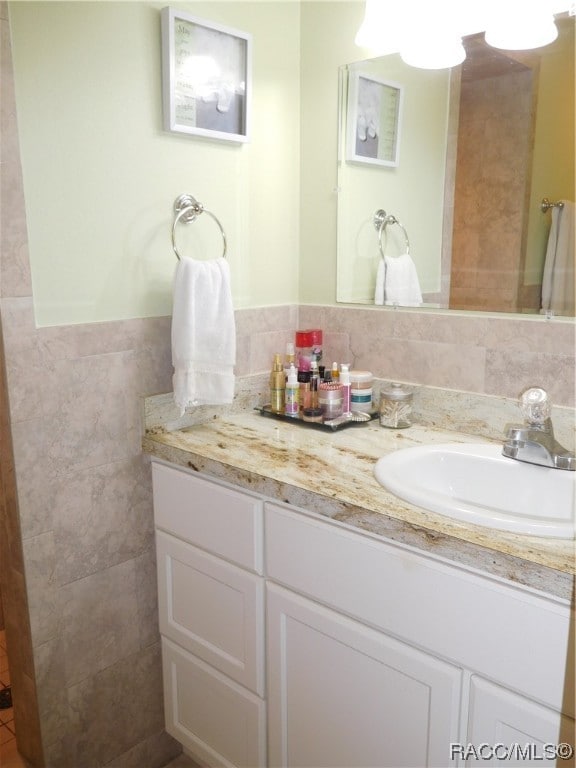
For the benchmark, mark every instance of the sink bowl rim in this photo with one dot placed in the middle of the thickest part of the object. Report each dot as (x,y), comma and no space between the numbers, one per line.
(467,512)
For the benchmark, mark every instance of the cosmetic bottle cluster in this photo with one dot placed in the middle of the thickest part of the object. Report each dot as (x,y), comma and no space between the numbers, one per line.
(302,387)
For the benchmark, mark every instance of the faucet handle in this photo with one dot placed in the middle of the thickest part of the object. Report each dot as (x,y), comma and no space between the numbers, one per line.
(535,406)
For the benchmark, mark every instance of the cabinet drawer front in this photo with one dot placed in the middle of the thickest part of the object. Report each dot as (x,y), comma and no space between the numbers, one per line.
(342,694)
(520,727)
(219,722)
(487,626)
(213,609)
(217,519)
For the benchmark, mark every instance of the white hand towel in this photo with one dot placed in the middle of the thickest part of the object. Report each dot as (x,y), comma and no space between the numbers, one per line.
(203,333)
(380,277)
(558,278)
(401,284)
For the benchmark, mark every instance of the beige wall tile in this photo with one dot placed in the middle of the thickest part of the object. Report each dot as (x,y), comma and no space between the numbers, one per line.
(102,517)
(15,279)
(44,599)
(116,709)
(100,621)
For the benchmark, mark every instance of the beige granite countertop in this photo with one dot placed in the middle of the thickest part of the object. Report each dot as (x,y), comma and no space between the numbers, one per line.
(331,473)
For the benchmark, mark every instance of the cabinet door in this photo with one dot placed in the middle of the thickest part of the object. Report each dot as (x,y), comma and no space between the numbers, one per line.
(504,727)
(342,695)
(213,609)
(217,721)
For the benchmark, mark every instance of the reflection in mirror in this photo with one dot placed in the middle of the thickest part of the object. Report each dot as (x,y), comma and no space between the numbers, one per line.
(478,148)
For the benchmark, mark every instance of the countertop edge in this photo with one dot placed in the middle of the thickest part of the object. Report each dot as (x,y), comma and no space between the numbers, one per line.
(491,561)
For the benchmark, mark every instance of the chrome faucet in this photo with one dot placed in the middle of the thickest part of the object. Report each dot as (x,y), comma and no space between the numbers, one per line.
(534,441)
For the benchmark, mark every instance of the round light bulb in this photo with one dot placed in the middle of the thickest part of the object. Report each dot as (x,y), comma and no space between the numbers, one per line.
(433,54)
(535,31)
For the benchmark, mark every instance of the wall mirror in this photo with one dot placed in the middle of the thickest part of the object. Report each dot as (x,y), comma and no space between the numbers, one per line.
(479,147)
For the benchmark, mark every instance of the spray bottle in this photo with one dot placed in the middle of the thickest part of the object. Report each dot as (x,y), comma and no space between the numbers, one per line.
(277,385)
(290,358)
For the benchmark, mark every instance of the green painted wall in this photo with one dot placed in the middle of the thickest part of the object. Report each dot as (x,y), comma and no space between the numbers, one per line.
(101,174)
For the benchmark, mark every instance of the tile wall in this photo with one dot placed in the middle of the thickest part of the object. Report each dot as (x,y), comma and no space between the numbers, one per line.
(488,238)
(84,505)
(485,354)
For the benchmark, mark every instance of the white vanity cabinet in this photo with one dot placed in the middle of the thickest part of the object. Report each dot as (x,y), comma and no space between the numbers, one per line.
(211,613)
(376,654)
(429,654)
(342,694)
(526,730)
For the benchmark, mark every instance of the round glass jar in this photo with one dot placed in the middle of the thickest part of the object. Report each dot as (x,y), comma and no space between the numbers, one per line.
(330,400)
(395,410)
(313,415)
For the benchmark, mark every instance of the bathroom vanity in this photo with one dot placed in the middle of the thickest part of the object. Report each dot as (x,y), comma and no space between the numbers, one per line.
(310,618)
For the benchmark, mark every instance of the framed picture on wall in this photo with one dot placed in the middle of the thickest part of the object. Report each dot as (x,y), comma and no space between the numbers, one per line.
(206,77)
(373,120)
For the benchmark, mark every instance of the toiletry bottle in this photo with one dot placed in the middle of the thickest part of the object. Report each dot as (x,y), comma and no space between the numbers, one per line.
(314,381)
(345,382)
(290,358)
(303,350)
(305,399)
(292,400)
(335,372)
(316,342)
(277,385)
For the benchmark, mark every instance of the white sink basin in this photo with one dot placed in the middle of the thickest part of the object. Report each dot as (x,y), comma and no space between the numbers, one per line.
(474,483)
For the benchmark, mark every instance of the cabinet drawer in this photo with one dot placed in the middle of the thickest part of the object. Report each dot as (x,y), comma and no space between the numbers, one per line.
(217,519)
(450,611)
(213,609)
(218,721)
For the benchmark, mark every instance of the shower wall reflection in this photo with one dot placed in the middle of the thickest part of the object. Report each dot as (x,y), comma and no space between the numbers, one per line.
(492,184)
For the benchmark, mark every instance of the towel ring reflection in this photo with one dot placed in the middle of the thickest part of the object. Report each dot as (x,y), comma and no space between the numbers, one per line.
(381,221)
(188,209)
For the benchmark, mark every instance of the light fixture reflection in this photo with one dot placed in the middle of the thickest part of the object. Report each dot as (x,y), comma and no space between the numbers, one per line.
(433,53)
(428,33)
(380,29)
(537,29)
(200,73)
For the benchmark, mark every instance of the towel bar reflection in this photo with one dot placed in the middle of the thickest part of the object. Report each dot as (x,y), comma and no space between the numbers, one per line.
(545,205)
(187,209)
(381,221)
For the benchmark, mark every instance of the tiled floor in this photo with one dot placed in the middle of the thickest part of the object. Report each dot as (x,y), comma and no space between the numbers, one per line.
(9,757)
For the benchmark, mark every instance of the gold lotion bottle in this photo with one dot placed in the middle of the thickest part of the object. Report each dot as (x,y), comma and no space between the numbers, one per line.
(277,386)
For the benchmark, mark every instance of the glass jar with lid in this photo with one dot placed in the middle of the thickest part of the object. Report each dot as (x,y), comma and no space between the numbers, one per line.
(395,410)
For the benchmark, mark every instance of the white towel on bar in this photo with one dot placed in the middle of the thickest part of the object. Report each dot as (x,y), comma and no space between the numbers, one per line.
(203,333)
(558,278)
(380,276)
(401,284)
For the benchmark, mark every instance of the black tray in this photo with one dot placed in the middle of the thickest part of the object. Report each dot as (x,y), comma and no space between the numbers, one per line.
(357,420)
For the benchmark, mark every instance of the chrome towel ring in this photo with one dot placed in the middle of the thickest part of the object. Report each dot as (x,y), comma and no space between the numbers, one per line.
(381,221)
(188,209)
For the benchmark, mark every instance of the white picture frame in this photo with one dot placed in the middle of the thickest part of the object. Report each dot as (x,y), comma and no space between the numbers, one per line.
(206,77)
(373,120)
